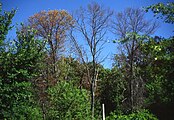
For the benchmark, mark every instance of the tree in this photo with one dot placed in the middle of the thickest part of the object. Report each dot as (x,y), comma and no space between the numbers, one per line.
(162,48)
(158,57)
(5,22)
(19,66)
(131,27)
(52,26)
(92,23)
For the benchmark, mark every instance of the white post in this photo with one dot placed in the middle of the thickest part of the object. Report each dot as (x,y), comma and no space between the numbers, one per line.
(103,108)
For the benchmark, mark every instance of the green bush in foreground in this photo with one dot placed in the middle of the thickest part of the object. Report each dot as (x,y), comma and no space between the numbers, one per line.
(140,115)
(67,102)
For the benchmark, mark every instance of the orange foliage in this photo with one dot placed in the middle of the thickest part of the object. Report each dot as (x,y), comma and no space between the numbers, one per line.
(52,25)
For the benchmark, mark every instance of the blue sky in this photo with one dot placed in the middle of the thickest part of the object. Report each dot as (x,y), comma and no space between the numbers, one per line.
(28,8)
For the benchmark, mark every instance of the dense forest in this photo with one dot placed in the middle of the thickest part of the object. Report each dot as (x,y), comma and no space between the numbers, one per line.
(43,78)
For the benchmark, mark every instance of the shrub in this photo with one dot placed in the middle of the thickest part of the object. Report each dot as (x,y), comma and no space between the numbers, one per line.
(68,102)
(139,115)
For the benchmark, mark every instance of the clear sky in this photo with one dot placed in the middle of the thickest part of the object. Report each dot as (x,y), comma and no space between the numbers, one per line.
(28,8)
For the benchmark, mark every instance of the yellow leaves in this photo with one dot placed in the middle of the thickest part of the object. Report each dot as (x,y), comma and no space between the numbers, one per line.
(157,48)
(53,18)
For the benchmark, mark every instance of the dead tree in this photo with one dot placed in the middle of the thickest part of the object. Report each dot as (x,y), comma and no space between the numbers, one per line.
(92,23)
(127,25)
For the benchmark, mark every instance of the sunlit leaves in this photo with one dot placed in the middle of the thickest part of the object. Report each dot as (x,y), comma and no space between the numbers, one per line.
(5,22)
(164,11)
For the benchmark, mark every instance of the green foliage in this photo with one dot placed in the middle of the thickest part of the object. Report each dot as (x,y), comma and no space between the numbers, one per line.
(21,62)
(112,88)
(158,61)
(140,115)
(158,66)
(5,21)
(18,66)
(21,104)
(70,69)
(164,11)
(68,102)
(132,36)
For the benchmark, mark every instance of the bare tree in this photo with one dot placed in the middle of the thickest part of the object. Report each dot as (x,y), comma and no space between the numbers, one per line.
(92,23)
(129,25)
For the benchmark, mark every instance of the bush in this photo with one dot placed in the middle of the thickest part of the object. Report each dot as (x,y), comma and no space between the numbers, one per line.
(68,102)
(140,115)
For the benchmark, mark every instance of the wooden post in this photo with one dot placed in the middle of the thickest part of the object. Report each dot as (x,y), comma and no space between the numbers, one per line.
(103,108)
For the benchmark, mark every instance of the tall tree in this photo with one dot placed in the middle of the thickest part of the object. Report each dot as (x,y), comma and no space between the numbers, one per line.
(52,25)
(92,23)
(18,67)
(159,70)
(129,25)
(5,22)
